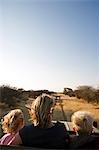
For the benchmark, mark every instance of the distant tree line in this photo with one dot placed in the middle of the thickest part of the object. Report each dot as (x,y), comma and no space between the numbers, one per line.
(11,95)
(87,93)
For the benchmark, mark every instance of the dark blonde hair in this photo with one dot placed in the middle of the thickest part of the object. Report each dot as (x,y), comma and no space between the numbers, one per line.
(41,111)
(10,122)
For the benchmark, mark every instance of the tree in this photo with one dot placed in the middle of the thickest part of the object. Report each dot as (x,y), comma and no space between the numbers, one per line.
(86,92)
(97,96)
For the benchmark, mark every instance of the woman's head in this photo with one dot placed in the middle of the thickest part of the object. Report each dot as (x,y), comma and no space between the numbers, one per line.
(13,121)
(41,110)
(82,122)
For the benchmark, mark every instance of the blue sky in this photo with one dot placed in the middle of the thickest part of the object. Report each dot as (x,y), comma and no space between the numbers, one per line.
(49,44)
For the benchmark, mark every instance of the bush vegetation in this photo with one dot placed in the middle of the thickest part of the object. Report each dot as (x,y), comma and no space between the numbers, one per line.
(87,93)
(11,95)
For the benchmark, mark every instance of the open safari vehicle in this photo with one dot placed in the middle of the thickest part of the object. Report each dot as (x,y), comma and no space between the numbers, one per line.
(68,126)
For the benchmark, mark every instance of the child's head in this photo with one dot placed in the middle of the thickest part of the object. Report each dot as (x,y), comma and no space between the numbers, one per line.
(13,121)
(82,122)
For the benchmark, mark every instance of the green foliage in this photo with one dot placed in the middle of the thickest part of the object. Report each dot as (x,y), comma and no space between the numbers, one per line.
(88,93)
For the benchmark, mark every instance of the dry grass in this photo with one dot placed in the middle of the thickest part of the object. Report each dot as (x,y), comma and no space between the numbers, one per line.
(79,105)
(72,104)
(69,105)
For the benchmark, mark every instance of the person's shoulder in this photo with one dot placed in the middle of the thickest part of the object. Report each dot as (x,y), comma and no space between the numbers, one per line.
(60,124)
(5,138)
(6,135)
(27,127)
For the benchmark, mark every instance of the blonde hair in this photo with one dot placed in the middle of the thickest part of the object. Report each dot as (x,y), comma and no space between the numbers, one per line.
(10,122)
(41,111)
(82,121)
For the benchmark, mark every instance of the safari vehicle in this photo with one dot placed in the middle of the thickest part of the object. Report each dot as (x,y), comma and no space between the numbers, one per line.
(69,128)
(67,124)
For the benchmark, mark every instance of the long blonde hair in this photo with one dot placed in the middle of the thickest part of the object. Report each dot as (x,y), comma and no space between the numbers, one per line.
(83,122)
(41,111)
(10,122)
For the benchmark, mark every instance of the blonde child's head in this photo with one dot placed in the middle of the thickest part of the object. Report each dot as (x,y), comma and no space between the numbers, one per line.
(82,122)
(13,121)
(41,110)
